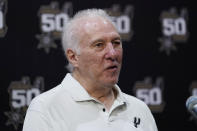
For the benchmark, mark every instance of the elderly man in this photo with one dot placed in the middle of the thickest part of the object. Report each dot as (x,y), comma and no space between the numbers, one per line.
(88,99)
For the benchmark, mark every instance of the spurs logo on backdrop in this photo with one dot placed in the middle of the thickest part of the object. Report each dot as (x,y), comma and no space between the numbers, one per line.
(122,20)
(151,94)
(21,93)
(52,20)
(3,11)
(174,29)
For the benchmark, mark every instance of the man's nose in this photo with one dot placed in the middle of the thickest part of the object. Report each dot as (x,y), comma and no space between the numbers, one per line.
(110,52)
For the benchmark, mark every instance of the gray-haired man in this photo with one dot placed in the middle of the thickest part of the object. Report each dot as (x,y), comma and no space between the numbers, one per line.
(88,99)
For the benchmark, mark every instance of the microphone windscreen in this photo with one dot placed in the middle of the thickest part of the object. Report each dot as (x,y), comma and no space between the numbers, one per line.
(191,101)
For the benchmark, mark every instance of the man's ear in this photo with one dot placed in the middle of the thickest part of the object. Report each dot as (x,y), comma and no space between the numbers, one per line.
(72,57)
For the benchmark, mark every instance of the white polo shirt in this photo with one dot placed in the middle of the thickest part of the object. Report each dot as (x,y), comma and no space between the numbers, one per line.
(68,107)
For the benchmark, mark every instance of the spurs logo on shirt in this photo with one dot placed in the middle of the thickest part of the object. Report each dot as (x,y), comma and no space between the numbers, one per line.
(118,125)
(137,121)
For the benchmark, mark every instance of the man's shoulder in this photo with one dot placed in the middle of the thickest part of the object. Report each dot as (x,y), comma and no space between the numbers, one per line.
(48,98)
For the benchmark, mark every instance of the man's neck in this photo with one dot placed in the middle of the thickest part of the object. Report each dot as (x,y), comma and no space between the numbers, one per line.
(105,95)
(108,100)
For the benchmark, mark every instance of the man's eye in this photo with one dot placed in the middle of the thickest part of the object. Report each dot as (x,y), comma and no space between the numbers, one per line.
(99,44)
(117,42)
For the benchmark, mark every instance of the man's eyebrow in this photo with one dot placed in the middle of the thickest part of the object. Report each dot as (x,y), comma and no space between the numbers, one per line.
(101,40)
(96,40)
(117,38)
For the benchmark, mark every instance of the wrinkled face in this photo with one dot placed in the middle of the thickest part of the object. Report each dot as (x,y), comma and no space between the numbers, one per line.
(100,58)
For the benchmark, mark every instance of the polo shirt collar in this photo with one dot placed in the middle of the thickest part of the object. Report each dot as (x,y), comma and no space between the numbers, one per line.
(78,93)
(74,88)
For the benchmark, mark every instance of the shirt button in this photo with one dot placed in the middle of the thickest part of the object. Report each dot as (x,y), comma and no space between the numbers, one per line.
(111,120)
(103,109)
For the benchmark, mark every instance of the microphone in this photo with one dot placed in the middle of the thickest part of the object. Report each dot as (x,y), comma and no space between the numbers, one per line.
(191,105)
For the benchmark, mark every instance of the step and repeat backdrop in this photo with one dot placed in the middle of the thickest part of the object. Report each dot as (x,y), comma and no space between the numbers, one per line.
(159,64)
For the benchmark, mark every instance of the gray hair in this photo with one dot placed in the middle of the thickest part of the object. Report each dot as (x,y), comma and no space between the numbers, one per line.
(71,33)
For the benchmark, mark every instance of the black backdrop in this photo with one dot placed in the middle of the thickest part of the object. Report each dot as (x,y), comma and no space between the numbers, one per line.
(165,76)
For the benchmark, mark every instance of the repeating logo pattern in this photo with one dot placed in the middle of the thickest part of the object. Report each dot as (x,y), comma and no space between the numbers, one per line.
(21,93)
(52,20)
(174,29)
(151,94)
(3,11)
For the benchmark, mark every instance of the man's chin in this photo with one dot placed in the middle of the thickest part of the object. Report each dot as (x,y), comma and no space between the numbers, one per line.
(111,82)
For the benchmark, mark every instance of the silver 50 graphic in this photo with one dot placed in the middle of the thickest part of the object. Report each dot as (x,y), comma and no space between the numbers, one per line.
(174,29)
(21,93)
(174,26)
(151,94)
(23,97)
(53,22)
